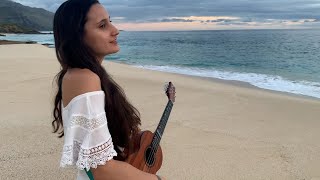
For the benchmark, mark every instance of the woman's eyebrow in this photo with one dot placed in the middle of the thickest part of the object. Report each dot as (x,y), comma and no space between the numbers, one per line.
(104,20)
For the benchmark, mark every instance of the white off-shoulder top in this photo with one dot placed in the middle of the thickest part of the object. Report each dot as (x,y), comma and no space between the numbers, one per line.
(87,140)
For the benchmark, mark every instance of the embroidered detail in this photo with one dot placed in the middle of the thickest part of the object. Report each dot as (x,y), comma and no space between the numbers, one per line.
(87,158)
(69,154)
(86,123)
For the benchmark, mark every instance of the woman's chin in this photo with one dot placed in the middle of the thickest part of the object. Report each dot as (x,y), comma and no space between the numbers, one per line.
(112,51)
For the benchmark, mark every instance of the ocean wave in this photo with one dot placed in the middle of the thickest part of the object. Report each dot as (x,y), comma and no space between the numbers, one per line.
(39,38)
(270,82)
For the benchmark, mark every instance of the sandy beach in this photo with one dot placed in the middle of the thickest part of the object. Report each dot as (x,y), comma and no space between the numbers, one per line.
(217,130)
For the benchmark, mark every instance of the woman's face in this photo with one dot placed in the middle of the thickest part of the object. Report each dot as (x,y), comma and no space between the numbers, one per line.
(99,34)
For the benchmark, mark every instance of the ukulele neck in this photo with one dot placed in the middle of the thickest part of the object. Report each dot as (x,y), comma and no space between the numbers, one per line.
(162,125)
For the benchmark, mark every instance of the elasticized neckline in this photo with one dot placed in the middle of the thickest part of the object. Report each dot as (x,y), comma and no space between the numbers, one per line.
(79,97)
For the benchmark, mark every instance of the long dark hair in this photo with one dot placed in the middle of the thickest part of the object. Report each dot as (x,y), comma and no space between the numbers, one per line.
(72,52)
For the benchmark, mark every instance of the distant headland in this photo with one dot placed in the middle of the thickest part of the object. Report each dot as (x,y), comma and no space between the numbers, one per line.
(17,18)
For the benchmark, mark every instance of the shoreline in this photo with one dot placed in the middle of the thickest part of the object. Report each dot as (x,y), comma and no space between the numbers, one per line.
(217,80)
(7,42)
(235,83)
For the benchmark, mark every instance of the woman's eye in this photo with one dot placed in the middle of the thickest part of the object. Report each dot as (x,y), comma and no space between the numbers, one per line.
(110,21)
(103,26)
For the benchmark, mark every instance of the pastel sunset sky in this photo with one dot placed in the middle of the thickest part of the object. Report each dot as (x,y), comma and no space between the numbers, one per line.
(159,15)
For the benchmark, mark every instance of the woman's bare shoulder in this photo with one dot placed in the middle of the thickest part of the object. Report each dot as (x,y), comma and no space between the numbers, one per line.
(79,81)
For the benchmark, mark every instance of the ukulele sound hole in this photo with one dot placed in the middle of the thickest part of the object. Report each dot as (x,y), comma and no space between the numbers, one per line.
(149,156)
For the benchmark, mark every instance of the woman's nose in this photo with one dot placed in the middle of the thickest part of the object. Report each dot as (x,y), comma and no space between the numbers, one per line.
(115,31)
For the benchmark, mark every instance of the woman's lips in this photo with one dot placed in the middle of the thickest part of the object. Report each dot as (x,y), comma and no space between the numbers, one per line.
(114,42)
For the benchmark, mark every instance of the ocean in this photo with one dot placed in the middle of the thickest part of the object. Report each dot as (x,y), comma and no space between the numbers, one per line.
(279,60)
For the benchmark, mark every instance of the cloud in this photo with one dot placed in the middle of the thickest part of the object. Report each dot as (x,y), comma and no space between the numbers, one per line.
(50,5)
(201,19)
(218,12)
(176,20)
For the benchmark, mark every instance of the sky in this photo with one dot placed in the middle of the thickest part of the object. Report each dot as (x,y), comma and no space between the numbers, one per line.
(162,15)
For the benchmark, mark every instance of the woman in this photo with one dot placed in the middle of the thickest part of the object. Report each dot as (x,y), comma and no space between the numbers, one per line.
(90,109)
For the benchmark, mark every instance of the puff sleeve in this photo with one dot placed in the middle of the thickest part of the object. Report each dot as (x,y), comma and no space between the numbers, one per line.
(87,140)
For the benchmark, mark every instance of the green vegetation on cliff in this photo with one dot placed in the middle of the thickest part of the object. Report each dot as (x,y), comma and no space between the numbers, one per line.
(12,28)
(23,19)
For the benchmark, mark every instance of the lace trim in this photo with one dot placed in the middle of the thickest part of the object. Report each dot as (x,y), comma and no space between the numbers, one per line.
(87,158)
(87,123)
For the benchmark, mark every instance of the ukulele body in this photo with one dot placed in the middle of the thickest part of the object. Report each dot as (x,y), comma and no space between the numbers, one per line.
(145,157)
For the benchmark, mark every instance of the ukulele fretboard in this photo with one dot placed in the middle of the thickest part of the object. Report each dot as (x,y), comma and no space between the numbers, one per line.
(162,125)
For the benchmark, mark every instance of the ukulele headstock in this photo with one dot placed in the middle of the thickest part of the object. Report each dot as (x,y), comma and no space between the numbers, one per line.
(170,91)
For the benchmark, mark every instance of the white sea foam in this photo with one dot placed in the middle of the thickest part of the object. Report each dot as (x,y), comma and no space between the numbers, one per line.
(270,82)
(39,38)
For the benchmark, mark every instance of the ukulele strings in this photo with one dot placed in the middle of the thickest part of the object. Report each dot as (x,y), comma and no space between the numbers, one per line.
(153,150)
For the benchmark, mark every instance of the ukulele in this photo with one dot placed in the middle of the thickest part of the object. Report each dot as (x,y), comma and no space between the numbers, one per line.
(148,154)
